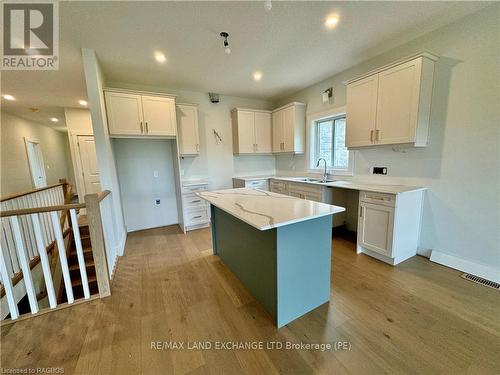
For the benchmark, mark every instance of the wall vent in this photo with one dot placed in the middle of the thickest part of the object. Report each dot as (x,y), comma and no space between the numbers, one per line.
(480,280)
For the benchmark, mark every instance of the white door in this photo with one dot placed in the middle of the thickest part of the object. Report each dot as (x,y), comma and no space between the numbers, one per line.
(361,111)
(189,140)
(289,129)
(263,132)
(375,228)
(35,161)
(159,116)
(397,104)
(246,132)
(277,118)
(124,113)
(90,167)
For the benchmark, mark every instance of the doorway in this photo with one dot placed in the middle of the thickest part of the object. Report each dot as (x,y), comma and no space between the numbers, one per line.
(88,162)
(35,161)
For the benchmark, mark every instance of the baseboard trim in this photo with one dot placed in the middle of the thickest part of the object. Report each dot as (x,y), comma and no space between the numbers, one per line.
(120,247)
(465,265)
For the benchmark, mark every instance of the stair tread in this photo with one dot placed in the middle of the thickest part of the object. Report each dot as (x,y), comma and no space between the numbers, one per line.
(77,282)
(76,266)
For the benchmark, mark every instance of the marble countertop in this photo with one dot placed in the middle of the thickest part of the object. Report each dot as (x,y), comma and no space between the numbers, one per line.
(357,185)
(194,182)
(252,178)
(265,210)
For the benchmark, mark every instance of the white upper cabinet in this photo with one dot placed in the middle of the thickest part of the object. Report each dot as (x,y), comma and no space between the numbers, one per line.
(361,113)
(124,113)
(392,104)
(251,131)
(135,115)
(159,115)
(289,128)
(189,138)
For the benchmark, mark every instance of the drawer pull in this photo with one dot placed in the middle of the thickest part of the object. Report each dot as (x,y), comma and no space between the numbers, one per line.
(197,217)
(196,201)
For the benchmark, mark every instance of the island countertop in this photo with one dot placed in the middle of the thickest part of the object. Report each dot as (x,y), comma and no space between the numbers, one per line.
(266,210)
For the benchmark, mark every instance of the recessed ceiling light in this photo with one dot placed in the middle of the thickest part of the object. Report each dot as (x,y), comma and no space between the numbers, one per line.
(83,102)
(160,57)
(257,76)
(331,21)
(54,119)
(8,97)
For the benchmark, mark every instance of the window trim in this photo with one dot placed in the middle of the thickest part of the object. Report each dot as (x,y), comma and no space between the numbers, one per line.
(312,140)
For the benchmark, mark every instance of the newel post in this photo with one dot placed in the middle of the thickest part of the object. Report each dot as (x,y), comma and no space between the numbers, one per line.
(97,242)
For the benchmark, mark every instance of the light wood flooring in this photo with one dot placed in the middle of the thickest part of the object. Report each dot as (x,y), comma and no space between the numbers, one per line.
(416,318)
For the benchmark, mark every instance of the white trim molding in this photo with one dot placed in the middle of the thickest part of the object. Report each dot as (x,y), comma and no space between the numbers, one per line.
(310,129)
(465,265)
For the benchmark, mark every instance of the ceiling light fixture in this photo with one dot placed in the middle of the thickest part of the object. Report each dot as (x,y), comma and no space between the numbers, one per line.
(8,97)
(160,57)
(331,21)
(257,76)
(82,102)
(225,35)
(54,119)
(268,5)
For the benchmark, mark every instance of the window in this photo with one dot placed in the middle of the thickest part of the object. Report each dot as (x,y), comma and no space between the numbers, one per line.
(330,142)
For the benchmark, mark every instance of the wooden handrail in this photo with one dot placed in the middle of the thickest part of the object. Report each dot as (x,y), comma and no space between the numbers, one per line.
(35,210)
(103,194)
(13,196)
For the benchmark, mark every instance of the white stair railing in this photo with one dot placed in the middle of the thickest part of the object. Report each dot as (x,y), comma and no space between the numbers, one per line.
(21,241)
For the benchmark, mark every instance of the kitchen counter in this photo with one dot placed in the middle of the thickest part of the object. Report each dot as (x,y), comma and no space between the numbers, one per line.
(343,184)
(265,210)
(279,247)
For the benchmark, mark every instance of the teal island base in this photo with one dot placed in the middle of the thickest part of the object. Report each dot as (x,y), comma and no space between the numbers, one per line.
(287,269)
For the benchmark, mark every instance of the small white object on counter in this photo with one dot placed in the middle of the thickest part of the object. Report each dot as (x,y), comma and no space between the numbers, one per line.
(265,210)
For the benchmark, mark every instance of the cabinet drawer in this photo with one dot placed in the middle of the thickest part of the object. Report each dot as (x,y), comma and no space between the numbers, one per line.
(192,201)
(196,217)
(378,198)
(193,188)
(256,184)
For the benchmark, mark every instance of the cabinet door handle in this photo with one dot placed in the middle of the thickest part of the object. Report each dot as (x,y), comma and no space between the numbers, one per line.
(361,211)
(142,130)
(196,201)
(197,147)
(371,136)
(256,147)
(377,135)
(147,130)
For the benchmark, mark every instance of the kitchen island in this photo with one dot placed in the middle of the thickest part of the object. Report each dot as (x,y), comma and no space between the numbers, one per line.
(277,245)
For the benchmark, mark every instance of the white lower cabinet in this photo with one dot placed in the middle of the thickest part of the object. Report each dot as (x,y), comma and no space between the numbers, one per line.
(258,183)
(389,225)
(196,211)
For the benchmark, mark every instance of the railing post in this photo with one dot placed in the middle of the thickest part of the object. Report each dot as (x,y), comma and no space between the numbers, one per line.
(97,242)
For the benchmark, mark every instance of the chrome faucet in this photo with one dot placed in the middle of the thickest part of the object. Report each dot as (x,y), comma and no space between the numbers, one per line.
(324,173)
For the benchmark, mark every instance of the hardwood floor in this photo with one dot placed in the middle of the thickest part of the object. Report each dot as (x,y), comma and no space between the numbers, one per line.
(418,317)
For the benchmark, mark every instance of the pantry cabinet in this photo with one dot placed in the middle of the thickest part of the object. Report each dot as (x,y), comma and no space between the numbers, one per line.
(136,115)
(391,105)
(289,128)
(251,131)
(189,138)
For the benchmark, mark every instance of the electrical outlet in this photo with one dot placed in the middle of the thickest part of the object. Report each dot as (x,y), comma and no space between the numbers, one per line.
(157,202)
(155,174)
(379,170)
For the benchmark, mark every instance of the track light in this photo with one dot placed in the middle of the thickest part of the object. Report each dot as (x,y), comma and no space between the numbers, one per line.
(225,35)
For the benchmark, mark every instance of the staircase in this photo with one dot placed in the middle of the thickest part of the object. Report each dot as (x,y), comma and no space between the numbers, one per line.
(74,268)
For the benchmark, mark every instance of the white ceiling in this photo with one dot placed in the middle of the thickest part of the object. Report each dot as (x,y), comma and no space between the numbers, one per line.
(290,45)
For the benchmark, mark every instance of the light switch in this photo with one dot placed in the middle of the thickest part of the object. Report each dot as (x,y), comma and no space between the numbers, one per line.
(155,174)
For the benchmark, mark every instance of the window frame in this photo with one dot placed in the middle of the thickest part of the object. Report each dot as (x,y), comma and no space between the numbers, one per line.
(312,141)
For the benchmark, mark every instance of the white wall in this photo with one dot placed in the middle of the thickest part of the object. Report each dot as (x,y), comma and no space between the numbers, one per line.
(137,160)
(461,165)
(15,171)
(216,161)
(114,227)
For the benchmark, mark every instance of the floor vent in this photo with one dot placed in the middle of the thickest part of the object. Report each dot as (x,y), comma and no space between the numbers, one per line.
(480,280)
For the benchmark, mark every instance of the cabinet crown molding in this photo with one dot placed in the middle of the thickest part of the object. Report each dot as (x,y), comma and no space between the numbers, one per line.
(250,110)
(138,92)
(425,54)
(288,105)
